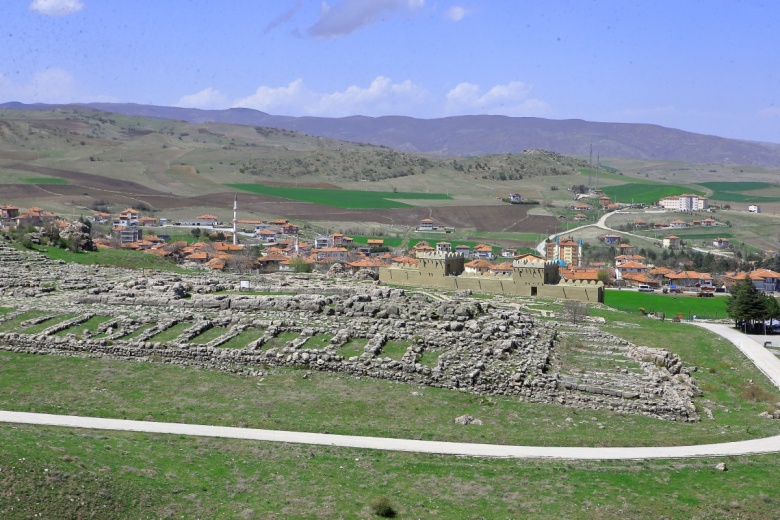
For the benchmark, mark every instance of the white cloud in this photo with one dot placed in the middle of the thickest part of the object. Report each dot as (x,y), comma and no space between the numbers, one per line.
(381,97)
(206,98)
(511,99)
(348,16)
(56,7)
(53,85)
(455,13)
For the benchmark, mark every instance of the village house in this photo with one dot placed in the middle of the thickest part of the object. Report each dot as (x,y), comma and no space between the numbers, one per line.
(611,240)
(321,241)
(128,217)
(754,208)
(671,242)
(331,254)
(463,249)
(604,201)
(630,267)
(721,243)
(515,198)
(678,224)
(289,229)
(267,236)
(100,217)
(8,213)
(128,234)
(502,269)
(477,266)
(582,207)
(709,222)
(625,249)
(443,247)
(640,224)
(147,222)
(508,252)
(483,251)
(426,224)
(580,216)
(688,279)
(764,279)
(336,240)
(35,216)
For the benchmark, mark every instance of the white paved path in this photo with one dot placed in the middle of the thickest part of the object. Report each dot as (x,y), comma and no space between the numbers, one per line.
(755,446)
(766,362)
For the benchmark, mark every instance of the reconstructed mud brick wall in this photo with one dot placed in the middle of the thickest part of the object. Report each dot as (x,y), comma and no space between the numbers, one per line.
(446,271)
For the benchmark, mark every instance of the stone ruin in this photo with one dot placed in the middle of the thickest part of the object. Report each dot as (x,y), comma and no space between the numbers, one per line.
(362,329)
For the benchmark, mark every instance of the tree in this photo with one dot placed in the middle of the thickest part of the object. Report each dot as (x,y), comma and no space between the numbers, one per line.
(195,232)
(575,310)
(746,305)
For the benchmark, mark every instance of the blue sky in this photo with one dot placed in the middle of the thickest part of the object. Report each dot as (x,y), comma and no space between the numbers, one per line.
(709,66)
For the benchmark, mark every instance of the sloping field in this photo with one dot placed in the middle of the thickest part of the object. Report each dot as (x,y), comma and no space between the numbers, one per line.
(347,199)
(744,191)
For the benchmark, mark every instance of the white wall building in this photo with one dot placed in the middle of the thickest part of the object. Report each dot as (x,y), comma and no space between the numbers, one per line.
(684,202)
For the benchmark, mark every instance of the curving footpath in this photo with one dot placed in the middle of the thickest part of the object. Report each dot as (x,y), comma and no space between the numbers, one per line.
(764,360)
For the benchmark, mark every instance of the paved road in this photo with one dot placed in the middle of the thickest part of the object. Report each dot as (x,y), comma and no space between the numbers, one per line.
(766,362)
(756,446)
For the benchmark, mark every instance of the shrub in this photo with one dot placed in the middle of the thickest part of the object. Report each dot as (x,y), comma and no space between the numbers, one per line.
(381,506)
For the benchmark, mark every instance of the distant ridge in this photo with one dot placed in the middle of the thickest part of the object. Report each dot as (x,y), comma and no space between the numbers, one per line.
(478,135)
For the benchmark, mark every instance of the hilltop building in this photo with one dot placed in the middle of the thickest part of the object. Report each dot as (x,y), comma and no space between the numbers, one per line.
(684,202)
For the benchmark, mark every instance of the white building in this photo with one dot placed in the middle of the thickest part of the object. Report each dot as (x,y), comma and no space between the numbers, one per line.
(684,202)
(754,208)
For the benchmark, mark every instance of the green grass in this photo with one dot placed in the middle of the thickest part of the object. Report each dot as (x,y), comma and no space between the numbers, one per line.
(395,349)
(40,327)
(671,304)
(171,333)
(242,339)
(127,259)
(646,193)
(209,335)
(64,473)
(45,180)
(280,340)
(318,341)
(737,191)
(347,199)
(6,310)
(13,324)
(353,347)
(92,324)
(137,332)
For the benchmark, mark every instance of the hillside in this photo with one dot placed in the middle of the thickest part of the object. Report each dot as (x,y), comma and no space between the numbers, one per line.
(484,135)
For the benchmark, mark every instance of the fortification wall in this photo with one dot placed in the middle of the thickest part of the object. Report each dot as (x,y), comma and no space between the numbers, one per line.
(584,291)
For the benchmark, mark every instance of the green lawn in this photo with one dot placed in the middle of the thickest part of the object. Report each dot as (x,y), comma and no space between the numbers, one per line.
(92,324)
(671,304)
(348,199)
(395,349)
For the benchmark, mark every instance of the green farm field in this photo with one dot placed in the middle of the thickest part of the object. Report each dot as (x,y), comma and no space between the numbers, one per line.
(671,304)
(744,191)
(347,199)
(647,193)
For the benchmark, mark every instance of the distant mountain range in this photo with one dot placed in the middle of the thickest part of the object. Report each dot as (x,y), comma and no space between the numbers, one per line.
(478,135)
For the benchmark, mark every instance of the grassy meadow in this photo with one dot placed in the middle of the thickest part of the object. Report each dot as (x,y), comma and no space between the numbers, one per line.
(646,193)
